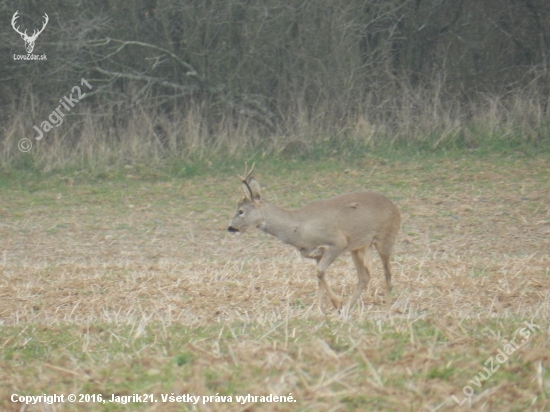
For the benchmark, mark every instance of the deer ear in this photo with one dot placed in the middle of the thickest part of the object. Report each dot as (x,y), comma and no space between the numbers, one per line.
(254,189)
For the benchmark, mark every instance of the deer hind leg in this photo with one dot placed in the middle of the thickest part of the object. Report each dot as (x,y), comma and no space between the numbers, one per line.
(361,259)
(321,291)
(329,255)
(384,250)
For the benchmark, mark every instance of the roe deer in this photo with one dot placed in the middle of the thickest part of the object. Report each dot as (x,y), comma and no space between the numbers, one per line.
(323,230)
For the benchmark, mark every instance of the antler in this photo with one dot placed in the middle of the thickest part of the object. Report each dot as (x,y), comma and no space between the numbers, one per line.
(246,173)
(34,33)
(14,18)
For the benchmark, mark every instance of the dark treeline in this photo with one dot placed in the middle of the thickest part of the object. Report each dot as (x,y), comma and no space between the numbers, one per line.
(269,62)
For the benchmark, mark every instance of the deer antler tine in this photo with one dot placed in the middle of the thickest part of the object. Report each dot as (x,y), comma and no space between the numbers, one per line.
(14,22)
(35,33)
(243,178)
(251,169)
(247,172)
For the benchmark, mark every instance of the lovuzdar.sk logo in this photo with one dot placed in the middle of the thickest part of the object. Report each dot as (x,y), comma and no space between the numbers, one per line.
(29,40)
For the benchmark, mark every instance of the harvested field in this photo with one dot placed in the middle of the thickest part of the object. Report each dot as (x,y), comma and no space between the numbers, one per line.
(133,286)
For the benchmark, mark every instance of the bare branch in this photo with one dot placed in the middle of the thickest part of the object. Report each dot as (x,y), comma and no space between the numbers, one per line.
(191,72)
(150,79)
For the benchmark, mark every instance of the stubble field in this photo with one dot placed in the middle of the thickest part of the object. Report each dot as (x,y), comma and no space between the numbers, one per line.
(131,284)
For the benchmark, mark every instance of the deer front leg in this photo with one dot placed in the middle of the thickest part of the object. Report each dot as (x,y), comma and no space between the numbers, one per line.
(329,255)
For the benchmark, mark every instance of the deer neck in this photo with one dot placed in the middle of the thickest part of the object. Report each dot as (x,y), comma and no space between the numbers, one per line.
(281,223)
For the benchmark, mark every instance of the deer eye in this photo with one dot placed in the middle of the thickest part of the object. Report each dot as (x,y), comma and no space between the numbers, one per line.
(241,212)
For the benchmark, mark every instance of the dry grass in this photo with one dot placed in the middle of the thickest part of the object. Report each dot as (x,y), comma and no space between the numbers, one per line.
(88,138)
(121,287)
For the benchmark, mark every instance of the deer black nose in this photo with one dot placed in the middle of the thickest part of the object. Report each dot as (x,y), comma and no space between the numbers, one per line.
(232,229)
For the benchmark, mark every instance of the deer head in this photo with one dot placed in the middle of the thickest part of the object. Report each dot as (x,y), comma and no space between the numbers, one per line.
(29,40)
(248,213)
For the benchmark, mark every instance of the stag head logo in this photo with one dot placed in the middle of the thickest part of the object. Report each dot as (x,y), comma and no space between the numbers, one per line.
(29,40)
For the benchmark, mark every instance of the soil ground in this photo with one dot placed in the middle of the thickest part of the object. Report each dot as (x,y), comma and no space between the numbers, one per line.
(121,286)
